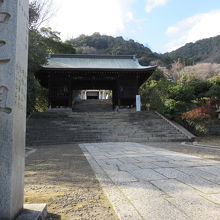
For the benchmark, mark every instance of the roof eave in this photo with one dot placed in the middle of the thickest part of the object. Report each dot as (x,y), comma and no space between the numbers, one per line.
(102,69)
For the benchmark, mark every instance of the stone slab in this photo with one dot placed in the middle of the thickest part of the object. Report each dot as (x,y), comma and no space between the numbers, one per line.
(141,190)
(197,172)
(196,182)
(33,212)
(165,164)
(197,208)
(147,174)
(128,166)
(215,198)
(174,187)
(158,209)
(215,170)
(146,165)
(168,172)
(123,208)
(156,192)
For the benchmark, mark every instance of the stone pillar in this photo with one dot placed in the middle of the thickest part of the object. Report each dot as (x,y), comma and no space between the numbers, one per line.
(13,86)
(138,103)
(100,94)
(85,95)
(70,91)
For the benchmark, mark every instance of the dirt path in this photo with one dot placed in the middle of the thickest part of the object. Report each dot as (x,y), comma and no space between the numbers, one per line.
(61,177)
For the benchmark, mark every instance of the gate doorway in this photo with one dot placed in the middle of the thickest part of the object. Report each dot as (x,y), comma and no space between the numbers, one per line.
(123,75)
(92,95)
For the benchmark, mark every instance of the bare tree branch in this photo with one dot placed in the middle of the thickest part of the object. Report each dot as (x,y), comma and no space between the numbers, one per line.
(40,11)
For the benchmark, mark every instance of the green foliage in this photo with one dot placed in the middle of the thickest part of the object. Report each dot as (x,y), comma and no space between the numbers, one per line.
(37,56)
(214,91)
(148,86)
(203,50)
(34,14)
(157,75)
(191,104)
(215,80)
(173,107)
(206,50)
(103,44)
(180,92)
(54,44)
(166,97)
(41,100)
(184,78)
(200,88)
(40,44)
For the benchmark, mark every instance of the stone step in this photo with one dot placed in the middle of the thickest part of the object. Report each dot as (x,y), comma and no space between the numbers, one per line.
(61,127)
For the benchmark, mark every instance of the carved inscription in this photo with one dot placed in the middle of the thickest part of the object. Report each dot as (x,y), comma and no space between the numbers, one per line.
(4,17)
(2,60)
(20,75)
(2,43)
(20,85)
(5,135)
(3,100)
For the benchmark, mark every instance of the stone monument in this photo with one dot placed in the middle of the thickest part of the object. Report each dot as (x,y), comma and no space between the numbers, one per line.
(138,103)
(13,86)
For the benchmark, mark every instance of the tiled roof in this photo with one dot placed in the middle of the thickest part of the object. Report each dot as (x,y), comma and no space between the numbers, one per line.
(76,61)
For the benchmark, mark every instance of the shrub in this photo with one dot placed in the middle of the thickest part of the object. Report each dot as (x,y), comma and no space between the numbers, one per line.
(214,91)
(41,101)
(193,104)
(180,92)
(200,88)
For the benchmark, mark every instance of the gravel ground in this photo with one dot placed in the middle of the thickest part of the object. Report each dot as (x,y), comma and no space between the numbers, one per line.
(61,177)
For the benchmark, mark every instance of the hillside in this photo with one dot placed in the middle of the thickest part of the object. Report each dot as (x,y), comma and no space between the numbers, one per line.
(206,51)
(103,44)
(202,51)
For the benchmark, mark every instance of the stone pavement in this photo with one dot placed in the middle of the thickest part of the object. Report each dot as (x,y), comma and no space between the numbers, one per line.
(143,182)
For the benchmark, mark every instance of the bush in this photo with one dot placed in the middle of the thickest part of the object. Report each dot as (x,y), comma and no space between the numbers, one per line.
(166,97)
(41,101)
(192,104)
(197,117)
(200,88)
(214,91)
(180,92)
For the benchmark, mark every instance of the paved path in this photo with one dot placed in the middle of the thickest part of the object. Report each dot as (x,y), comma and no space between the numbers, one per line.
(143,182)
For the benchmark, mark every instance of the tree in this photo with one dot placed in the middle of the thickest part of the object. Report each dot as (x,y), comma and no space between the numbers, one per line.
(41,43)
(53,42)
(37,56)
(39,13)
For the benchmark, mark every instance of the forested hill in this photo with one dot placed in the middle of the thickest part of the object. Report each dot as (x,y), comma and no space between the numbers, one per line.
(103,44)
(206,50)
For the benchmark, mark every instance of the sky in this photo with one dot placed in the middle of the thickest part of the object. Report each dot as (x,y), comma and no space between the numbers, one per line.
(162,25)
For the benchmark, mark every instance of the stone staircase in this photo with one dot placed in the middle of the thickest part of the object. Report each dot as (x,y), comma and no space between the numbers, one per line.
(94,105)
(62,127)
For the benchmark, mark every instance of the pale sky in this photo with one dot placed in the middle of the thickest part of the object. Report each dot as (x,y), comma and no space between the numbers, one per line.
(163,25)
